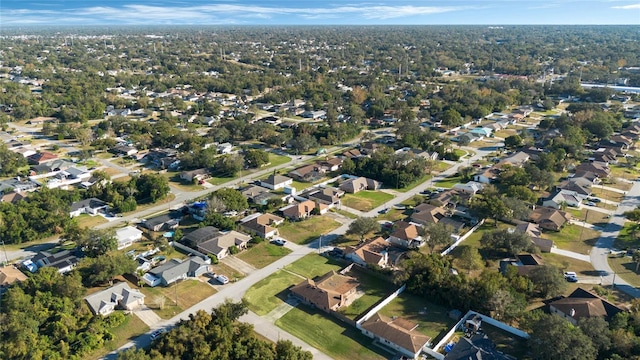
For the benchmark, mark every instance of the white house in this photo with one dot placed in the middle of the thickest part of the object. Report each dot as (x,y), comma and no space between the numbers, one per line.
(119,296)
(471,187)
(90,206)
(570,198)
(225,148)
(127,236)
(275,182)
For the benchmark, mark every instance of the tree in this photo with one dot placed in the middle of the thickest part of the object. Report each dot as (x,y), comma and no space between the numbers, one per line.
(362,226)
(636,259)
(438,234)
(285,350)
(554,338)
(513,141)
(151,187)
(469,258)
(466,173)
(106,267)
(548,280)
(452,118)
(255,158)
(229,165)
(218,220)
(303,143)
(513,243)
(232,199)
(490,205)
(95,242)
(519,209)
(597,329)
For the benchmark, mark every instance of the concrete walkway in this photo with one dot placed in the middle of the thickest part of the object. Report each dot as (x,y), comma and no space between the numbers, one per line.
(238,264)
(281,310)
(148,316)
(609,188)
(571,254)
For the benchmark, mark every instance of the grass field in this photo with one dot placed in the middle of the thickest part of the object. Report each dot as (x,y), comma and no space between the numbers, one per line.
(448,182)
(219,180)
(625,268)
(231,273)
(574,238)
(365,200)
(593,217)
(336,339)
(305,231)
(626,237)
(299,185)
(432,319)
(275,160)
(271,291)
(344,213)
(89,221)
(263,254)
(189,293)
(569,264)
(130,328)
(607,194)
(440,167)
(374,289)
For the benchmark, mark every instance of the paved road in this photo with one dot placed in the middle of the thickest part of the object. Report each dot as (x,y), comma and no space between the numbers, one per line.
(600,252)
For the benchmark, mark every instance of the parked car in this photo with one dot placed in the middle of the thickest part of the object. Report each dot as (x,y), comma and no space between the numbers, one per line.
(595,200)
(279,242)
(157,333)
(222,279)
(383,211)
(571,276)
(590,203)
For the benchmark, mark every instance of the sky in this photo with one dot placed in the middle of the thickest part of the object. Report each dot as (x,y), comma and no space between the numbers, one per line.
(317,12)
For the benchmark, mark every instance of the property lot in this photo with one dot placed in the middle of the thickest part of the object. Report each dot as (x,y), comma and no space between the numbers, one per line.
(365,200)
(328,334)
(432,319)
(130,328)
(272,291)
(163,299)
(305,231)
(574,238)
(374,288)
(262,254)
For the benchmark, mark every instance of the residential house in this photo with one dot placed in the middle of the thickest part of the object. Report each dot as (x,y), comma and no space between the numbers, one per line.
(275,182)
(585,178)
(194,175)
(476,347)
(198,236)
(530,229)
(524,263)
(397,333)
(219,245)
(91,206)
(483,131)
(450,198)
(358,184)
(582,303)
(518,159)
(314,114)
(406,235)
(74,173)
(251,191)
(308,173)
(600,169)
(471,187)
(352,154)
(162,158)
(262,225)
(64,261)
(126,236)
(12,197)
(162,222)
(425,214)
(50,167)
(329,293)
(564,197)
(329,196)
(332,164)
(175,270)
(487,176)
(119,296)
(41,158)
(18,184)
(371,252)
(10,275)
(549,218)
(302,210)
(580,186)
(123,150)
(224,148)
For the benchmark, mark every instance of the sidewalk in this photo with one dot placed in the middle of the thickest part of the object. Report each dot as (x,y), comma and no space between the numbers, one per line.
(571,254)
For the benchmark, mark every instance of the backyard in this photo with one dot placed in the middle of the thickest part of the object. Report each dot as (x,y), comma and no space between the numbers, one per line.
(374,288)
(305,231)
(432,319)
(262,254)
(337,339)
(163,299)
(365,200)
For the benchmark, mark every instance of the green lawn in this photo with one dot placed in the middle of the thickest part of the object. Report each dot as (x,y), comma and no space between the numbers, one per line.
(374,288)
(263,254)
(329,335)
(569,264)
(593,217)
(365,200)
(219,180)
(189,293)
(275,160)
(574,238)
(305,231)
(625,268)
(131,327)
(89,221)
(448,182)
(268,293)
(440,167)
(432,319)
(344,213)
(299,185)
(626,237)
(271,291)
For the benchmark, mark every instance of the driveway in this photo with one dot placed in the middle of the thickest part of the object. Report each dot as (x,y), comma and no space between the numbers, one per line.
(238,264)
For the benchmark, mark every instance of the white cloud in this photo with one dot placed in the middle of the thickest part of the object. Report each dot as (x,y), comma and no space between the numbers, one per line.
(628,7)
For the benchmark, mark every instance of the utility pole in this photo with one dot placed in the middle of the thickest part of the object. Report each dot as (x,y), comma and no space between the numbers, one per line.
(6,257)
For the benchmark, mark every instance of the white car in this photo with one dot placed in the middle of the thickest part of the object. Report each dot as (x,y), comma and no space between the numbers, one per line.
(571,276)
(157,333)
(222,279)
(279,242)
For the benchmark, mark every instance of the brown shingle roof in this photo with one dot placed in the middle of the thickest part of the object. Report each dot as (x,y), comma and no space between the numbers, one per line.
(398,331)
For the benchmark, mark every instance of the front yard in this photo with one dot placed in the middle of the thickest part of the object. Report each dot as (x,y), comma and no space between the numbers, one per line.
(365,200)
(131,327)
(328,334)
(262,254)
(163,299)
(432,319)
(305,231)
(625,268)
(574,238)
